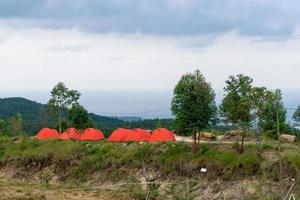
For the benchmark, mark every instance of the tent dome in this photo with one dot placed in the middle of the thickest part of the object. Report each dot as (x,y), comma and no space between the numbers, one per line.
(47,133)
(119,135)
(162,135)
(92,134)
(139,135)
(71,134)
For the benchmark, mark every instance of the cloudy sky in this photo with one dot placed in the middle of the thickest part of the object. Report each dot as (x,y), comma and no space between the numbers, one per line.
(134,45)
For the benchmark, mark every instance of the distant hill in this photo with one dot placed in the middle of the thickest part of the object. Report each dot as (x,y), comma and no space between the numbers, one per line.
(31,112)
(129,118)
(35,117)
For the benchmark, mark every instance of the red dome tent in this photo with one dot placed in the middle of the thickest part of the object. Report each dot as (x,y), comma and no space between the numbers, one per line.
(119,135)
(47,133)
(71,134)
(139,135)
(162,135)
(92,134)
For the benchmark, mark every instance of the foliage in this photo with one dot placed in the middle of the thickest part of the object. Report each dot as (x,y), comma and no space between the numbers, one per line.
(296,115)
(61,101)
(193,104)
(15,124)
(270,106)
(29,110)
(3,127)
(238,105)
(80,118)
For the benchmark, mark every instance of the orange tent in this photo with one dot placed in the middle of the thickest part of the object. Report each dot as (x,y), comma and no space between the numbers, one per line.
(119,135)
(138,135)
(92,134)
(162,135)
(47,133)
(71,133)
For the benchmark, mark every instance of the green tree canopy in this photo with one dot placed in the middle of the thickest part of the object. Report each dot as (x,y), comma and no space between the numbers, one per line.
(80,118)
(238,105)
(267,113)
(193,104)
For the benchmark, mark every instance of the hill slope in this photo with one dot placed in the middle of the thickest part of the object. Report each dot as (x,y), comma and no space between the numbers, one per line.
(35,117)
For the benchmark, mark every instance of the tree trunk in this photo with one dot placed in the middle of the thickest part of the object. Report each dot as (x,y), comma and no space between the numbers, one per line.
(243,138)
(59,123)
(195,137)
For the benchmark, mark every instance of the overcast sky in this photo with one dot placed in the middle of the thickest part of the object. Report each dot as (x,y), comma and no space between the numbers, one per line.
(134,45)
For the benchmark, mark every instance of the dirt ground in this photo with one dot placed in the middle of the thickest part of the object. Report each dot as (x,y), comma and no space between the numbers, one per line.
(190,140)
(23,191)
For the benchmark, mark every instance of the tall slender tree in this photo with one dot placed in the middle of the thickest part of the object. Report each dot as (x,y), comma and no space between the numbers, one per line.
(272,113)
(193,104)
(237,105)
(62,99)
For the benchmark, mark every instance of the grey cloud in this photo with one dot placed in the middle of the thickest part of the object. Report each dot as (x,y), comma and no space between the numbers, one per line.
(158,17)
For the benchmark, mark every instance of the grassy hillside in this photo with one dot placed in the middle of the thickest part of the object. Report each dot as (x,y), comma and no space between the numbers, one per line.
(102,163)
(35,117)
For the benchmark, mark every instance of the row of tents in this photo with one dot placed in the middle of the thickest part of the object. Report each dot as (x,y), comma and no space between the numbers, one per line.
(119,135)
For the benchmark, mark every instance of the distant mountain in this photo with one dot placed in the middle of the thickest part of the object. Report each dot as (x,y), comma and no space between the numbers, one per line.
(35,117)
(129,118)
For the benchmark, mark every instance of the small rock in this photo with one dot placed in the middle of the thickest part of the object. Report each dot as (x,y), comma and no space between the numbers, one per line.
(220,137)
(287,138)
(208,135)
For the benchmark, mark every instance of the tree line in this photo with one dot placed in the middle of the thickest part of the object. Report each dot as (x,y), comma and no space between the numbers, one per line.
(244,106)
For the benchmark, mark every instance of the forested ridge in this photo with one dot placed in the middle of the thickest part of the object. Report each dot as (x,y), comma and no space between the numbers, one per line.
(36,116)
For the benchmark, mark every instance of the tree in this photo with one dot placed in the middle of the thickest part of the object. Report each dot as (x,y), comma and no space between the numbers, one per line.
(3,127)
(296,116)
(193,104)
(62,99)
(237,105)
(15,124)
(80,117)
(269,108)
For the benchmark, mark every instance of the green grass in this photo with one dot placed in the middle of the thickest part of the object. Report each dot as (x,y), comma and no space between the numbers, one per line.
(116,161)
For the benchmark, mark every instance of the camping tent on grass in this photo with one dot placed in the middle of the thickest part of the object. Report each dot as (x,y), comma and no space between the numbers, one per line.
(92,134)
(47,133)
(119,135)
(71,134)
(139,135)
(162,135)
